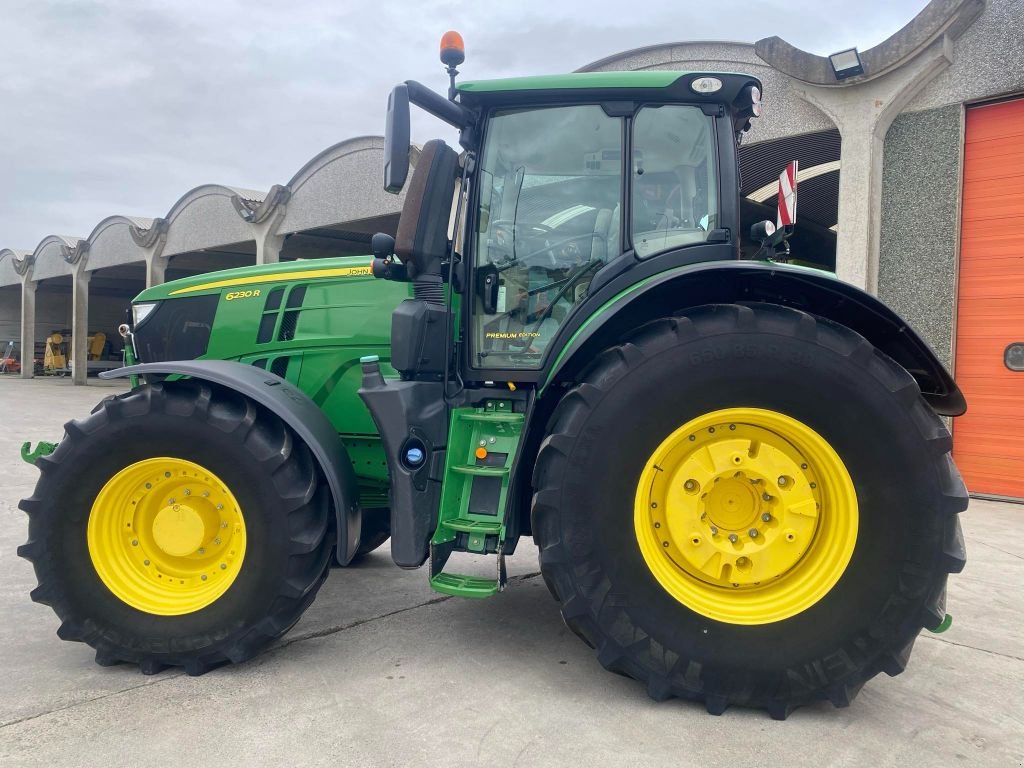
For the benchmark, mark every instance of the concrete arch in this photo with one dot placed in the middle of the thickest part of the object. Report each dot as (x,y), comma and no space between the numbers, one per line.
(785,112)
(13,264)
(208,216)
(111,243)
(55,256)
(938,18)
(341,183)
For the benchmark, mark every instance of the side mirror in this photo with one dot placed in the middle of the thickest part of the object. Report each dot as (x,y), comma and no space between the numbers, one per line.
(396,140)
(762,231)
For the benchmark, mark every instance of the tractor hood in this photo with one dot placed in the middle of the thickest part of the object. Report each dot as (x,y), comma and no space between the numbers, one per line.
(257,276)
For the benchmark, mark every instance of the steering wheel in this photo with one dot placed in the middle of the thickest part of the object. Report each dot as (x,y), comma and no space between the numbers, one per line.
(550,248)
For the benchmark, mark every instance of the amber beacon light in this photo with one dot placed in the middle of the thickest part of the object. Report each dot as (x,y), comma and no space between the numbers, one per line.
(453,49)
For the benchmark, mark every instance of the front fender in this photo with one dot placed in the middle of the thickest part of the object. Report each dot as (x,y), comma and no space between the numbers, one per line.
(296,410)
(810,290)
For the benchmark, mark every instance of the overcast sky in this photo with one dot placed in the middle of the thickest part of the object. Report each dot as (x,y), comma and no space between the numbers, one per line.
(121,106)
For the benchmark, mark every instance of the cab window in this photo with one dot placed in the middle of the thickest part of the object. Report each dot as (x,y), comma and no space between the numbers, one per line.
(548,218)
(674,179)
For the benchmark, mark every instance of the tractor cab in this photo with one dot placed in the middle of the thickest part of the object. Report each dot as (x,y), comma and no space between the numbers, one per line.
(565,183)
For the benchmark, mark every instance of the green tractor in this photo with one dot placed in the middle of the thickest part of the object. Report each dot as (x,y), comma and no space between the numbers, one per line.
(735,470)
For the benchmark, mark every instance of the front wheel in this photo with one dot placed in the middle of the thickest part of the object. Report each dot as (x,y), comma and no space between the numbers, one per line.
(179,524)
(748,505)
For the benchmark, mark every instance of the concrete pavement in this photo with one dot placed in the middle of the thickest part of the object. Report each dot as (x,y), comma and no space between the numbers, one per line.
(383,671)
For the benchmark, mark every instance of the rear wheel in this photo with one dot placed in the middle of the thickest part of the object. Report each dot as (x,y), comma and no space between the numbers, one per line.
(179,524)
(774,527)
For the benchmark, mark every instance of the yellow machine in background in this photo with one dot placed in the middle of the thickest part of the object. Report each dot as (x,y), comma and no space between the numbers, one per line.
(95,345)
(57,354)
(55,358)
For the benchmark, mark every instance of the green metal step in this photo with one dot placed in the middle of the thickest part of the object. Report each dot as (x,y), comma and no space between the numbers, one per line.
(473,526)
(465,586)
(473,469)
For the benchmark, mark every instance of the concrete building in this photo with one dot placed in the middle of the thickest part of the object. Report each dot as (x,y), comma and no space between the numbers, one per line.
(79,285)
(911,186)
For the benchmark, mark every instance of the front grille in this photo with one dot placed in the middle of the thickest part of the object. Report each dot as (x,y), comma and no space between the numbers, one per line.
(177,329)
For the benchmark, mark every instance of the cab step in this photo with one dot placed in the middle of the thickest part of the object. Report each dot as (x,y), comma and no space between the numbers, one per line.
(482,446)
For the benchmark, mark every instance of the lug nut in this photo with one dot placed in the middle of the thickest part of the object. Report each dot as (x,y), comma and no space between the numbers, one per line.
(223,566)
(766,516)
(206,494)
(766,496)
(690,485)
(733,538)
(188,492)
(135,542)
(223,525)
(782,480)
(220,506)
(201,551)
(216,541)
(714,530)
(203,577)
(171,500)
(753,533)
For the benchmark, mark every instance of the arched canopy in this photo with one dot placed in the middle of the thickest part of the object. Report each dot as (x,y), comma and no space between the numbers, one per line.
(111,243)
(341,184)
(208,216)
(12,264)
(54,256)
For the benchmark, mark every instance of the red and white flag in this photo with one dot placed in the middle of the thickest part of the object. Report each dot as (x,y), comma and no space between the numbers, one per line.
(787,196)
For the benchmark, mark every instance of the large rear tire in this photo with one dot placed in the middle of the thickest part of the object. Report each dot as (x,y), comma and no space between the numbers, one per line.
(179,524)
(748,505)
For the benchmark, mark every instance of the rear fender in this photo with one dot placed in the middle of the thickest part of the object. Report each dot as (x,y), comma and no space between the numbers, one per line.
(296,410)
(809,290)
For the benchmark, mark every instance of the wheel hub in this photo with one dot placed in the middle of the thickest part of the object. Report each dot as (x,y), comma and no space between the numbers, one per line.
(178,530)
(729,515)
(166,536)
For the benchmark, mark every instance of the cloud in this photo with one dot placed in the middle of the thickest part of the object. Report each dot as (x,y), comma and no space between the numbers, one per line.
(114,106)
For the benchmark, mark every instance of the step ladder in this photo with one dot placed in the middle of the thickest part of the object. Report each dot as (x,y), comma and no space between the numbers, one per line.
(482,447)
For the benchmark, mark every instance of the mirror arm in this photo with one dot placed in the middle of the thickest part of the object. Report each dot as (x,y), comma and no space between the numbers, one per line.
(450,112)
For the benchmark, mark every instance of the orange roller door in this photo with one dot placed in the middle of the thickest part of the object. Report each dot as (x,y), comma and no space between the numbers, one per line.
(988,442)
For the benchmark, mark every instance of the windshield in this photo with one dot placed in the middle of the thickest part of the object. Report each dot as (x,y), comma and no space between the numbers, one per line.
(550,212)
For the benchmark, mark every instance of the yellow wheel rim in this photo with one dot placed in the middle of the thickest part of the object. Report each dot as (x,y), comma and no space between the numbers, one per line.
(166,536)
(746,516)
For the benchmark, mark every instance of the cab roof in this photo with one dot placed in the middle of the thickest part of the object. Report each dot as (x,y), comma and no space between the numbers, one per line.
(661,85)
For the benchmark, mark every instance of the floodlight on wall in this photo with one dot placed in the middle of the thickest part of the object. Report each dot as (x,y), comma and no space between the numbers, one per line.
(846,64)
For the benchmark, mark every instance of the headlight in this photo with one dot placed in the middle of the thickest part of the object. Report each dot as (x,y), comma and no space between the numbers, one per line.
(141,311)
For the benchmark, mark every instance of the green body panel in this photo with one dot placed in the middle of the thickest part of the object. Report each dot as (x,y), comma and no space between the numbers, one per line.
(344,315)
